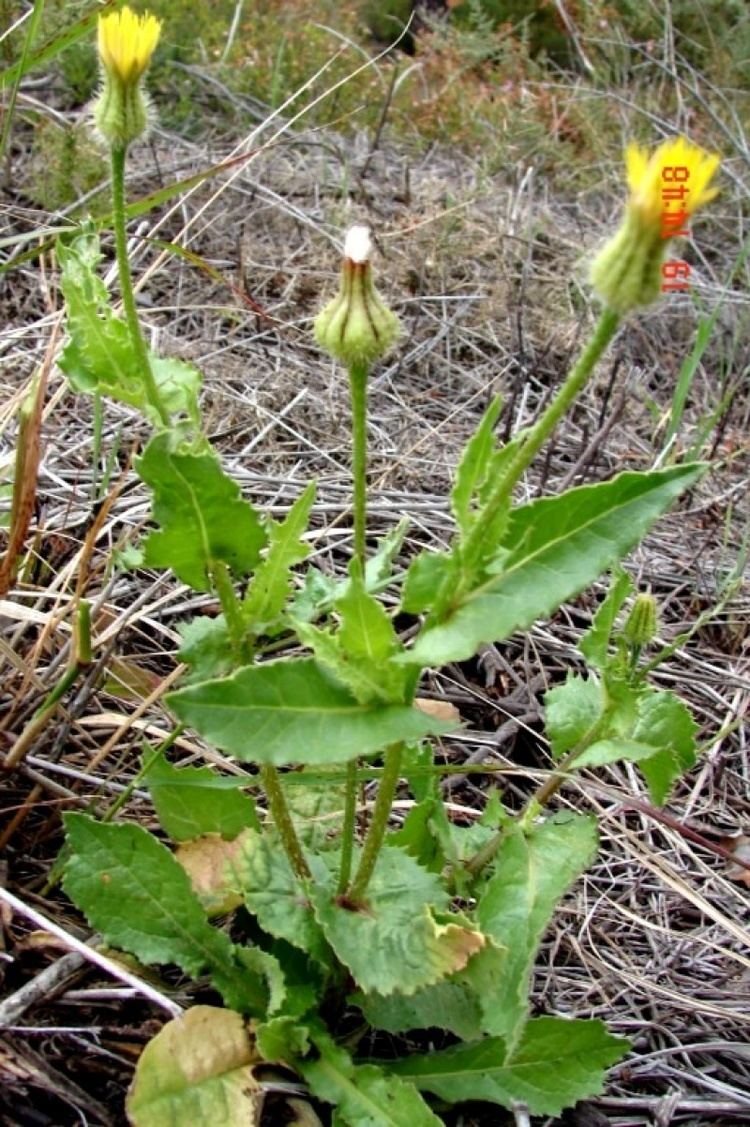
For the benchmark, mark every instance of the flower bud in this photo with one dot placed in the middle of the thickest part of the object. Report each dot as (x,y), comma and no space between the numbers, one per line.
(126,43)
(356,327)
(640,627)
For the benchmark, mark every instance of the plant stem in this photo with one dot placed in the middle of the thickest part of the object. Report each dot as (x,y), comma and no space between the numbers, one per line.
(126,792)
(269,777)
(576,380)
(358,374)
(349,826)
(80,660)
(126,285)
(541,796)
(229,603)
(379,824)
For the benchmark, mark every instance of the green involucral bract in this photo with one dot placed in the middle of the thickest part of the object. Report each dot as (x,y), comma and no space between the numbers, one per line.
(357,327)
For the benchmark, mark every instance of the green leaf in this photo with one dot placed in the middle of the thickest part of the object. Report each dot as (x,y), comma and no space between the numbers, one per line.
(360,678)
(359,653)
(203,516)
(319,591)
(198,1069)
(314,598)
(271,585)
(99,356)
(449,1004)
(316,799)
(282,1039)
(394,942)
(134,891)
(206,646)
(428,575)
(622,705)
(379,566)
(305,981)
(364,1095)
(572,710)
(532,872)
(556,1063)
(429,836)
(265,966)
(554,548)
(284,712)
(613,751)
(191,801)
(423,834)
(473,467)
(594,644)
(262,875)
(639,718)
(664,721)
(178,382)
(418,766)
(366,630)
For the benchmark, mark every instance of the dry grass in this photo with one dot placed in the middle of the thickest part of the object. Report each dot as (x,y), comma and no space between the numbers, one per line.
(487,271)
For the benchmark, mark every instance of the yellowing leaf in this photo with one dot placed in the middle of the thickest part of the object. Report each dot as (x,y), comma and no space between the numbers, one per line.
(206,861)
(441,709)
(197,1070)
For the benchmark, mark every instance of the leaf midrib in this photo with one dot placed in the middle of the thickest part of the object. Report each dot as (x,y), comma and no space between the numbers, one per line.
(524,561)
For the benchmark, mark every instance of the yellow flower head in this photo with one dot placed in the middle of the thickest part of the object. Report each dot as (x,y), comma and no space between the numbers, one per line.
(666,189)
(126,43)
(676,167)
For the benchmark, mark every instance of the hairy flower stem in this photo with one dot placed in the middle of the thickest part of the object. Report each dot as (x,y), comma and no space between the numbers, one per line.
(358,374)
(379,824)
(577,379)
(269,777)
(126,284)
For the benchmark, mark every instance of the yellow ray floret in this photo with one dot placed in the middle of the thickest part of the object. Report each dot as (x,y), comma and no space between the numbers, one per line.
(127,42)
(667,187)
(650,176)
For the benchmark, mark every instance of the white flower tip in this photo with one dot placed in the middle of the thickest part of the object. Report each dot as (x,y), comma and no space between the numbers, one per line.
(358,244)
